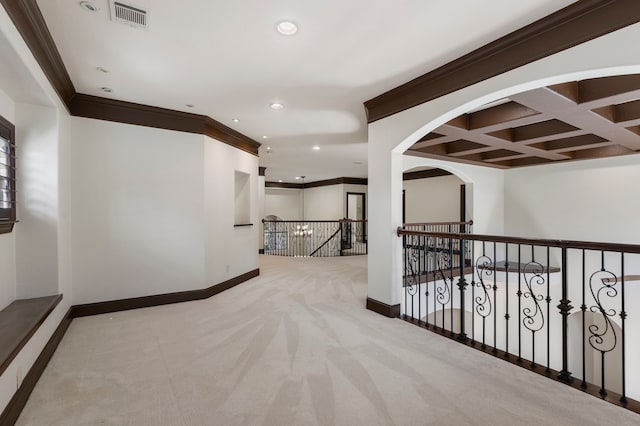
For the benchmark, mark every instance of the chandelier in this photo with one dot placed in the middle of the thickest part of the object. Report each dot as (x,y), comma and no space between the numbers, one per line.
(303,231)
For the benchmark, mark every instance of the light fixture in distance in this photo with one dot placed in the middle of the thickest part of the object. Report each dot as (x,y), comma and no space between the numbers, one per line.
(88,6)
(286,28)
(265,137)
(277,106)
(315,147)
(235,120)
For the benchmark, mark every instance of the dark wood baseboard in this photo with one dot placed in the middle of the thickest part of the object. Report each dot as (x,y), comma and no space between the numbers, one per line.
(159,299)
(391,311)
(12,411)
(260,251)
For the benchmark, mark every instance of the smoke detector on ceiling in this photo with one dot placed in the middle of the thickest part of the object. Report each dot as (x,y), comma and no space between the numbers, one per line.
(128,14)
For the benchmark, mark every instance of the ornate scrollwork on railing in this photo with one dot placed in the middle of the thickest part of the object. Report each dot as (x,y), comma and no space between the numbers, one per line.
(533,316)
(603,336)
(443,263)
(483,270)
(412,260)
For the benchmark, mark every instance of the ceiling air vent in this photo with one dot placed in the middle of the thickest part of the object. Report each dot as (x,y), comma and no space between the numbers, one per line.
(129,15)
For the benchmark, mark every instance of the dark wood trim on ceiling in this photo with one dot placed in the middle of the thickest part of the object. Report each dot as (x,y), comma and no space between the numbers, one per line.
(577,23)
(13,409)
(160,118)
(262,171)
(285,185)
(391,311)
(28,19)
(425,174)
(159,299)
(337,181)
(317,184)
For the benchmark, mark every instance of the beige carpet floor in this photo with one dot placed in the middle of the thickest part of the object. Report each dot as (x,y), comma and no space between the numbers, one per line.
(294,346)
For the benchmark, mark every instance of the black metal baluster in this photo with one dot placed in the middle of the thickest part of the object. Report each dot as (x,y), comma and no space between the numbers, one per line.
(419,275)
(473,291)
(584,327)
(462,284)
(405,282)
(565,309)
(548,300)
(506,290)
(495,302)
(623,317)
(519,294)
(426,281)
(451,263)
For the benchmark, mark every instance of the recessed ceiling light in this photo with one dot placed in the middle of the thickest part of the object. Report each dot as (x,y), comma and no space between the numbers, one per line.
(102,70)
(287,28)
(235,120)
(268,148)
(280,180)
(189,105)
(88,6)
(315,148)
(276,105)
(106,89)
(264,137)
(298,177)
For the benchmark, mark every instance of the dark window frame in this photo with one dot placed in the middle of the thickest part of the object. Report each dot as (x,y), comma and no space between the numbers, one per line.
(8,215)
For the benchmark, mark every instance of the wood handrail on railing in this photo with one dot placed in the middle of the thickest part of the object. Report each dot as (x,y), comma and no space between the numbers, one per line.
(314,221)
(587,245)
(470,222)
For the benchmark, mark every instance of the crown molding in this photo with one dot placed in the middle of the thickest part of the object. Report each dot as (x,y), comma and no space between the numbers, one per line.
(577,23)
(425,174)
(318,183)
(28,19)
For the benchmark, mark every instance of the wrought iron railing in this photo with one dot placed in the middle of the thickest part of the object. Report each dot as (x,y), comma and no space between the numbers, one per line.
(559,308)
(314,238)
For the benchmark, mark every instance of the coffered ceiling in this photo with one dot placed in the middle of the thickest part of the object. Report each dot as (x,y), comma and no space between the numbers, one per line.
(571,121)
(226,59)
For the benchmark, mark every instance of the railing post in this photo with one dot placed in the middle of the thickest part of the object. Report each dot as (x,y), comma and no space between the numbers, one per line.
(462,284)
(565,309)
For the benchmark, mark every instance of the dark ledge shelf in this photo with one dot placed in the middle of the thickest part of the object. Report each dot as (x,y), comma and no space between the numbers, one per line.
(19,321)
(513,267)
(238,225)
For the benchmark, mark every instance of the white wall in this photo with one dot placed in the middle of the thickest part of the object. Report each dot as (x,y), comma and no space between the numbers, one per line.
(434,199)
(229,251)
(138,211)
(283,202)
(324,203)
(7,241)
(153,211)
(592,200)
(37,196)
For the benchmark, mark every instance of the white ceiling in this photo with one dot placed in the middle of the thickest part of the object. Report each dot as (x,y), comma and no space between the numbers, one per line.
(226,58)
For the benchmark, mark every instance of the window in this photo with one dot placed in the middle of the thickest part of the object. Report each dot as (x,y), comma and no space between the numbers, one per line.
(7,176)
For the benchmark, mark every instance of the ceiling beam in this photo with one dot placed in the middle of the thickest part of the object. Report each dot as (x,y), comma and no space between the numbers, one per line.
(577,23)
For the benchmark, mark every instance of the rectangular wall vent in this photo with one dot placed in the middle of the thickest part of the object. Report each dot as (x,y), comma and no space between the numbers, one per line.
(129,15)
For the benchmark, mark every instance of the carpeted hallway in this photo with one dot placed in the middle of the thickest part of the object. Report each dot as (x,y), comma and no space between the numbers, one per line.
(294,346)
